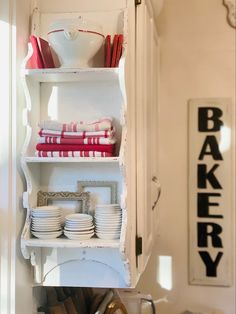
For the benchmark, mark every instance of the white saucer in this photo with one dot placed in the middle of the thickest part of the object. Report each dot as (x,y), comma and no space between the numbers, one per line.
(107,206)
(72,224)
(79,217)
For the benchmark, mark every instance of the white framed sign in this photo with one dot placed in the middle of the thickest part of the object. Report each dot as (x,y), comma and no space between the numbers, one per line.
(210,192)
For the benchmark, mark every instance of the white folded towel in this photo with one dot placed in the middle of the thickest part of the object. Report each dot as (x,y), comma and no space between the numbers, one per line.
(102,124)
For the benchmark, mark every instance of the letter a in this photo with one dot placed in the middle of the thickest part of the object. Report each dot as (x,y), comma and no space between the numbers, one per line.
(210,141)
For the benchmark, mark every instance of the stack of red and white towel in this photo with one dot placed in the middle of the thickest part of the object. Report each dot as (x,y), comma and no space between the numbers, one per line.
(76,139)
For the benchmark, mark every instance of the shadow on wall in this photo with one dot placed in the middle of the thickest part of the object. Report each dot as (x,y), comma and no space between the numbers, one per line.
(157,277)
(157,281)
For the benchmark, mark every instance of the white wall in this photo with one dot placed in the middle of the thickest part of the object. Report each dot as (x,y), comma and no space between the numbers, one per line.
(23,274)
(15,281)
(197,61)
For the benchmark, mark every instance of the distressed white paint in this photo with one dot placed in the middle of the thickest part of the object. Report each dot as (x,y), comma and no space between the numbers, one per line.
(22,282)
(146,115)
(88,94)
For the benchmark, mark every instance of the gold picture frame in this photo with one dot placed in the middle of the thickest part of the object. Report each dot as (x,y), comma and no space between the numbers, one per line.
(83,197)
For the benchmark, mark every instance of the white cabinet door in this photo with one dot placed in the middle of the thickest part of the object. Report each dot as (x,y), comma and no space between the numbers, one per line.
(146,102)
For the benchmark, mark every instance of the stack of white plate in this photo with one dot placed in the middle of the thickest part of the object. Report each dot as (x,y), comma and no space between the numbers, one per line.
(79,226)
(46,222)
(108,221)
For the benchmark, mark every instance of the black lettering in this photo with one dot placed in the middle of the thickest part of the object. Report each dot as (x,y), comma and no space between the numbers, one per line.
(203,176)
(207,115)
(211,266)
(203,233)
(203,204)
(210,141)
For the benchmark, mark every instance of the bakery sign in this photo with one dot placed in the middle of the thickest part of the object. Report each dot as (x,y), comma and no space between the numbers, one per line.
(210,192)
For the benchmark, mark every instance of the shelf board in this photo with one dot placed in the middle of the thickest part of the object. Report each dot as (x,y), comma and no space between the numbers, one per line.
(67,243)
(71,75)
(71,159)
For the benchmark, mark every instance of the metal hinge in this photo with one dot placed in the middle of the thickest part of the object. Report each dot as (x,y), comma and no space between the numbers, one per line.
(139,245)
(138,2)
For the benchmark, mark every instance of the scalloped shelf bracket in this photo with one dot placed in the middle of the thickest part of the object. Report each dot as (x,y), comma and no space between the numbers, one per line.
(231,12)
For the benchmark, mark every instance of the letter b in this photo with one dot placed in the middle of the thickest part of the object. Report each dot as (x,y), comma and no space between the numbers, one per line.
(207,116)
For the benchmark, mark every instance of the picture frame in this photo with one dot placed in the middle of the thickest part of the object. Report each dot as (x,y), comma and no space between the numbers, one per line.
(112,185)
(83,197)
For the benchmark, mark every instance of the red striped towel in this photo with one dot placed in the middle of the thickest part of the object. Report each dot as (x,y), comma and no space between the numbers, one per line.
(72,154)
(82,134)
(67,147)
(91,126)
(87,140)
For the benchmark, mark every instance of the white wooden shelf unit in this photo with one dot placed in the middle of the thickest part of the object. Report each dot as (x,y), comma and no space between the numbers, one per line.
(76,94)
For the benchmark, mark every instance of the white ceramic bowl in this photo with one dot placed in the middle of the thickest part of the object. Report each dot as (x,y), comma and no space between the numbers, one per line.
(108,236)
(75,41)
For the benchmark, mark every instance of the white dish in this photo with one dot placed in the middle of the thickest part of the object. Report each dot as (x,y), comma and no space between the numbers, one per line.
(107,205)
(108,220)
(42,229)
(107,236)
(105,225)
(78,229)
(39,213)
(46,216)
(79,232)
(55,219)
(79,226)
(107,231)
(108,228)
(46,208)
(79,217)
(45,212)
(75,223)
(79,237)
(116,229)
(43,220)
(107,212)
(45,228)
(46,225)
(108,215)
(49,223)
(47,235)
(108,208)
